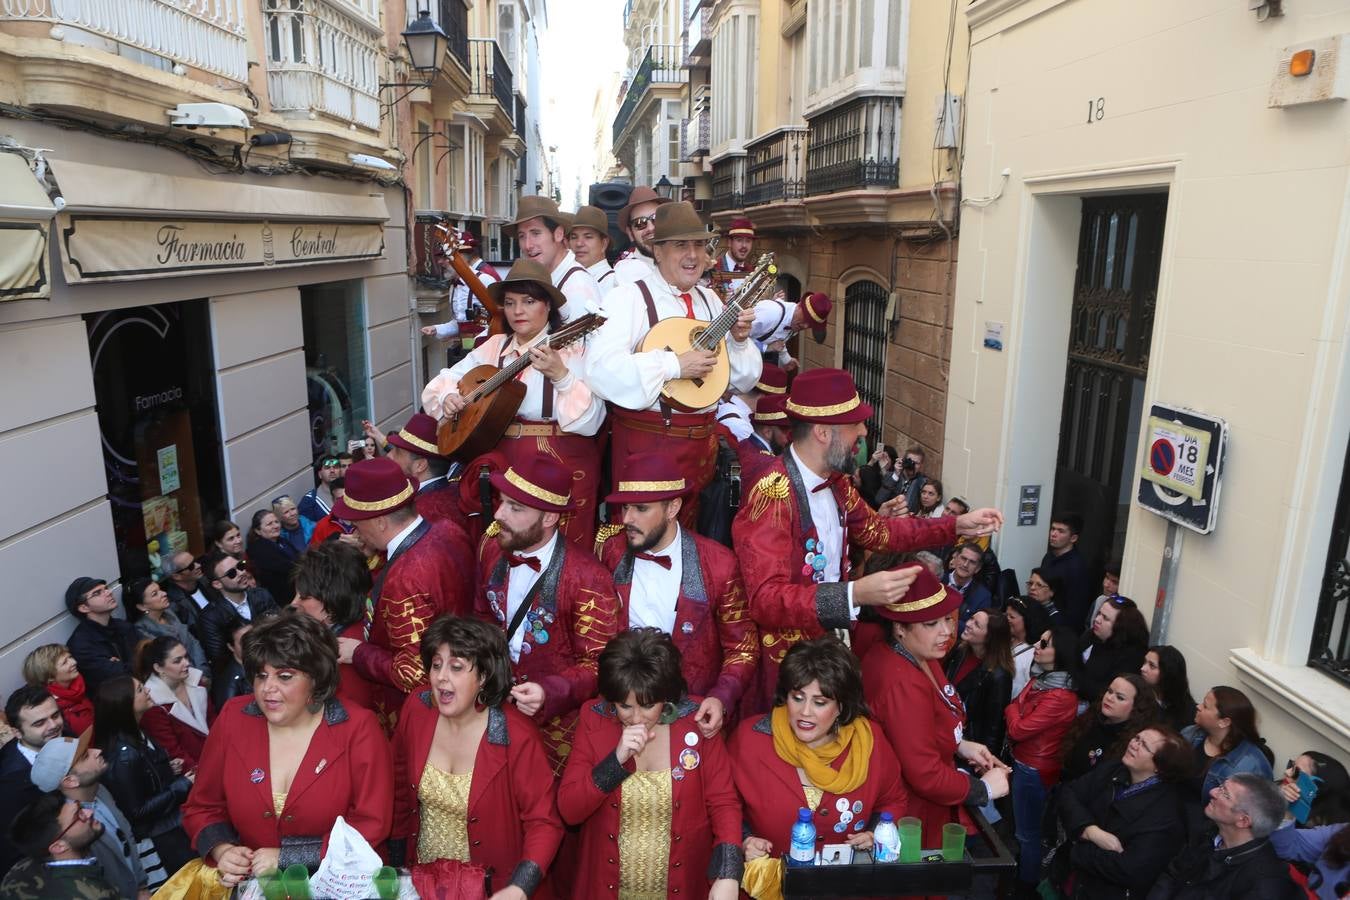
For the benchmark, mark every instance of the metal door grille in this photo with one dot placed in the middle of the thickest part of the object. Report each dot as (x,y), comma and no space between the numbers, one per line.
(865,348)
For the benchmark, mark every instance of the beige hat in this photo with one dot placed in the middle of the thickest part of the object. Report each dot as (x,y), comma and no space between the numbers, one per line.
(527,270)
(680,222)
(592,217)
(639,196)
(533,207)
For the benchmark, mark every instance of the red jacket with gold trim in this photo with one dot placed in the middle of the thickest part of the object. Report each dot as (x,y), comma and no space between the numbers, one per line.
(770,535)
(574,614)
(512,823)
(705,818)
(439,500)
(718,643)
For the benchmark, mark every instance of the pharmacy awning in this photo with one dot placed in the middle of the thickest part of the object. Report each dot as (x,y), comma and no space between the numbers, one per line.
(25,224)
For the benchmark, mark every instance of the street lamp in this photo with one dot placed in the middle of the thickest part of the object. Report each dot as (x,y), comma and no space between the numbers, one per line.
(426,44)
(666,188)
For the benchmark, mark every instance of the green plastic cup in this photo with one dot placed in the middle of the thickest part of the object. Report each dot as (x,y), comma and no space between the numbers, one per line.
(953,841)
(296,879)
(272,886)
(386,882)
(911,839)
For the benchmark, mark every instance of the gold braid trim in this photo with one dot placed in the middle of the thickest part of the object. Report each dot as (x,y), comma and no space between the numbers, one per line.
(493,530)
(604,533)
(771,489)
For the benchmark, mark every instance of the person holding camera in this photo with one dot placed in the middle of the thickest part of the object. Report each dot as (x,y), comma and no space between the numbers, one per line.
(902,478)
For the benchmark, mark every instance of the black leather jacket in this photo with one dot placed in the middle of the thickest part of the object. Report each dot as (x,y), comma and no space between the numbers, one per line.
(229,682)
(144,786)
(985,693)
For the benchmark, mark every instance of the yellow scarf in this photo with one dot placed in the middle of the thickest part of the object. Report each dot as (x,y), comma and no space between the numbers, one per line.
(856,737)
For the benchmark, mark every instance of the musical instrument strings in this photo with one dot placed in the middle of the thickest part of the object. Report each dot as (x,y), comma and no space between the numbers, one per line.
(569,333)
(755,285)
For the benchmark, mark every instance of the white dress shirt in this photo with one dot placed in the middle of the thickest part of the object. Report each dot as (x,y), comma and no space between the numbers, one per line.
(656,590)
(519,580)
(634,380)
(575,408)
(633,267)
(401,537)
(773,322)
(603,273)
(825,514)
(459,301)
(735,414)
(581,290)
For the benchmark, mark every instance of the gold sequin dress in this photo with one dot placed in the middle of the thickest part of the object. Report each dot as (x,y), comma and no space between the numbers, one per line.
(645,812)
(444,800)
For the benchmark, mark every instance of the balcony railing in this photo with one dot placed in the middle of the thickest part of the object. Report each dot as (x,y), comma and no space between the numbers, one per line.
(520,115)
(321,59)
(728,184)
(660,65)
(695,138)
(490,73)
(855,146)
(203,34)
(453,17)
(698,36)
(776,167)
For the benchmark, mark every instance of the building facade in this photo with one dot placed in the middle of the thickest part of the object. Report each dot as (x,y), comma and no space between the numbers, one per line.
(205,282)
(835,128)
(1161,218)
(647,128)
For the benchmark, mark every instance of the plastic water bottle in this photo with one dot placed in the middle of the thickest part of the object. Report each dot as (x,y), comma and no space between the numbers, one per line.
(886,840)
(803,850)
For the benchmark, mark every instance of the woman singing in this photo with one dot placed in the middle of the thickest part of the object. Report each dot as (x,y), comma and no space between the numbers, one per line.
(658,813)
(559,415)
(472,780)
(281,765)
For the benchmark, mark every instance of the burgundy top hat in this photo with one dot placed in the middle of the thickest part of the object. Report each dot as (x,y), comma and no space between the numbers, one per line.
(817,308)
(741,225)
(375,487)
(540,484)
(827,396)
(418,436)
(468,240)
(773,380)
(927,599)
(646,479)
(769,410)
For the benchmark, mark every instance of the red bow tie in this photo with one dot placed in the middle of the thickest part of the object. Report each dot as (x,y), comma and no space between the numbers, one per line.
(515,559)
(829,480)
(662,560)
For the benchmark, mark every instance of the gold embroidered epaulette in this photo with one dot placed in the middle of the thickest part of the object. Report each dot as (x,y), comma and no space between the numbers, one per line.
(604,533)
(775,486)
(493,530)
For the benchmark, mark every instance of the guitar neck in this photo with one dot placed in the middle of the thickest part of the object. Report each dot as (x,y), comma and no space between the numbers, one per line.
(717,329)
(563,337)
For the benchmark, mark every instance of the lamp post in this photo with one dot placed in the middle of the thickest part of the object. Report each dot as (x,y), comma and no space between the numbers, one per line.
(666,188)
(426,44)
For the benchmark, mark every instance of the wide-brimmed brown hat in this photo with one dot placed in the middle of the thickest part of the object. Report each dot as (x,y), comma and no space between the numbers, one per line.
(527,270)
(592,217)
(639,196)
(533,207)
(679,222)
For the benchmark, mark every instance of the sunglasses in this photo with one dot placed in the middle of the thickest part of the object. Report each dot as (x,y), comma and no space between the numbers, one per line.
(640,222)
(330,462)
(1043,643)
(231,572)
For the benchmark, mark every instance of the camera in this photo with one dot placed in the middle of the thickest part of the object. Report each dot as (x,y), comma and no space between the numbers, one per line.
(908,464)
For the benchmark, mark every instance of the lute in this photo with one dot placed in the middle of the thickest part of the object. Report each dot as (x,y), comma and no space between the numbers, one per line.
(493,396)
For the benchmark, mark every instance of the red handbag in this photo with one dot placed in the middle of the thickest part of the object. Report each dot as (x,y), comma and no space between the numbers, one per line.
(449,879)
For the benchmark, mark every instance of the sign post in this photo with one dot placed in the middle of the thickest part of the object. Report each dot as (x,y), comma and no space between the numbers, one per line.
(1180,481)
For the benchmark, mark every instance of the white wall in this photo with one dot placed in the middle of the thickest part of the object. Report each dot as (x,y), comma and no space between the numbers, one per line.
(1251,311)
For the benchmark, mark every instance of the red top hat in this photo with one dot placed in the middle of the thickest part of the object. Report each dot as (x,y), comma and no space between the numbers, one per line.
(647,478)
(769,410)
(540,484)
(927,599)
(773,380)
(468,240)
(741,225)
(418,436)
(375,487)
(827,396)
(817,309)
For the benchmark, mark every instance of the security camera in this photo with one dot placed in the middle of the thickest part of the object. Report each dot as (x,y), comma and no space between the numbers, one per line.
(208,115)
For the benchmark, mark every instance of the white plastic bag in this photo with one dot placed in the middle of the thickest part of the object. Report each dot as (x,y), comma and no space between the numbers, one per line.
(347,868)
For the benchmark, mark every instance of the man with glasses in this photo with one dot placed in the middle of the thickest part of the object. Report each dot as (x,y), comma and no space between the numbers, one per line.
(56,837)
(541,231)
(319,502)
(240,597)
(35,716)
(638,221)
(966,564)
(183,583)
(1234,859)
(70,766)
(102,645)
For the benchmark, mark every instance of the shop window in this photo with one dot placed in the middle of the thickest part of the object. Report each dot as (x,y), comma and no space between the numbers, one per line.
(154,384)
(337,373)
(1331,633)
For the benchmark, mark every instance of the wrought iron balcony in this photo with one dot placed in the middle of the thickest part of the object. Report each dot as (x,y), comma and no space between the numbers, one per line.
(776,167)
(694,140)
(728,184)
(453,17)
(660,65)
(490,73)
(520,115)
(204,34)
(856,145)
(698,35)
(321,59)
